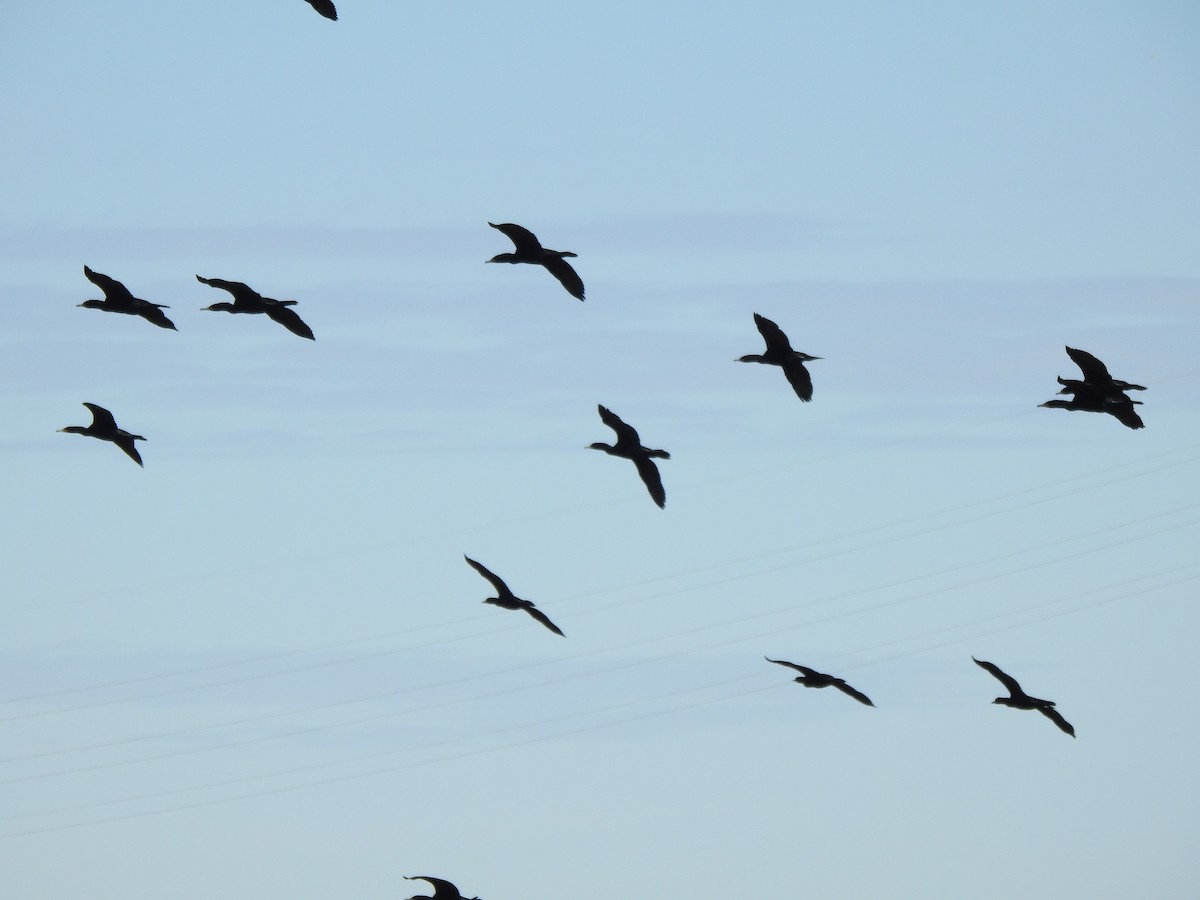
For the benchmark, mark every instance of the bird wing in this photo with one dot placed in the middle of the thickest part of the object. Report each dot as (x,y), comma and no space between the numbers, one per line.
(652,479)
(497,582)
(242,293)
(523,238)
(152,312)
(1007,680)
(799,379)
(1121,409)
(113,289)
(543,618)
(439,885)
(1056,717)
(772,333)
(101,417)
(125,442)
(1093,370)
(613,421)
(857,695)
(567,276)
(325,8)
(791,665)
(289,319)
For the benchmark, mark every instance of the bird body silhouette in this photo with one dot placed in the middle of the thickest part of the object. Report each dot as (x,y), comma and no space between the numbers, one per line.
(118,299)
(442,889)
(1097,391)
(528,249)
(811,678)
(325,8)
(248,300)
(506,599)
(780,353)
(104,427)
(629,446)
(1018,699)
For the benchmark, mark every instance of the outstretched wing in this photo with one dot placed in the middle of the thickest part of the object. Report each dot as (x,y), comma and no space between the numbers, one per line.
(288,318)
(439,885)
(325,8)
(153,313)
(791,665)
(567,276)
(1093,370)
(497,582)
(242,293)
(857,695)
(523,238)
(772,334)
(113,289)
(652,479)
(1056,717)
(1121,409)
(543,618)
(1007,680)
(799,379)
(101,417)
(613,421)
(125,442)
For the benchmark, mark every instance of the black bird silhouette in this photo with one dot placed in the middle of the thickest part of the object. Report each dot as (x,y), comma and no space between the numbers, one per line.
(507,599)
(780,353)
(530,250)
(811,678)
(442,889)
(248,300)
(1094,399)
(629,446)
(104,427)
(118,299)
(1018,699)
(325,8)
(1095,375)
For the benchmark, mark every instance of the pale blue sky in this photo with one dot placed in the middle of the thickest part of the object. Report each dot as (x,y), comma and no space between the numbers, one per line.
(259,668)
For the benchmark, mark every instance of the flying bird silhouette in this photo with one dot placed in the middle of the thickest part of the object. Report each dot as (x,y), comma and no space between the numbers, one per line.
(1018,699)
(325,8)
(1097,392)
(506,599)
(118,299)
(1095,375)
(528,249)
(248,300)
(442,889)
(629,446)
(780,353)
(104,427)
(811,678)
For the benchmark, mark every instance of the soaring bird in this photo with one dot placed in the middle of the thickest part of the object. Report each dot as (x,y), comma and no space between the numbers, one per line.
(1095,375)
(325,8)
(780,353)
(1018,699)
(507,599)
(1094,399)
(247,300)
(104,427)
(530,250)
(811,678)
(629,446)
(442,889)
(118,299)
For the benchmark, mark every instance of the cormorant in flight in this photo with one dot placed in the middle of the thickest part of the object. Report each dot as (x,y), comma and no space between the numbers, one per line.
(508,600)
(813,679)
(104,427)
(780,353)
(442,889)
(1095,375)
(1018,699)
(530,250)
(629,446)
(118,299)
(247,300)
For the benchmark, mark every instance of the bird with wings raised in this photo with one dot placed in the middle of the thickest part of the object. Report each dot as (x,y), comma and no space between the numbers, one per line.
(780,353)
(1018,699)
(629,446)
(104,427)
(811,678)
(528,249)
(248,300)
(506,599)
(118,299)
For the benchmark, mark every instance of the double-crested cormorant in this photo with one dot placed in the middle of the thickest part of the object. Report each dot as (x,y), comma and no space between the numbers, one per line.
(629,446)
(325,8)
(1018,699)
(442,889)
(507,599)
(530,250)
(1098,391)
(248,300)
(813,679)
(104,427)
(118,299)
(780,353)
(1095,375)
